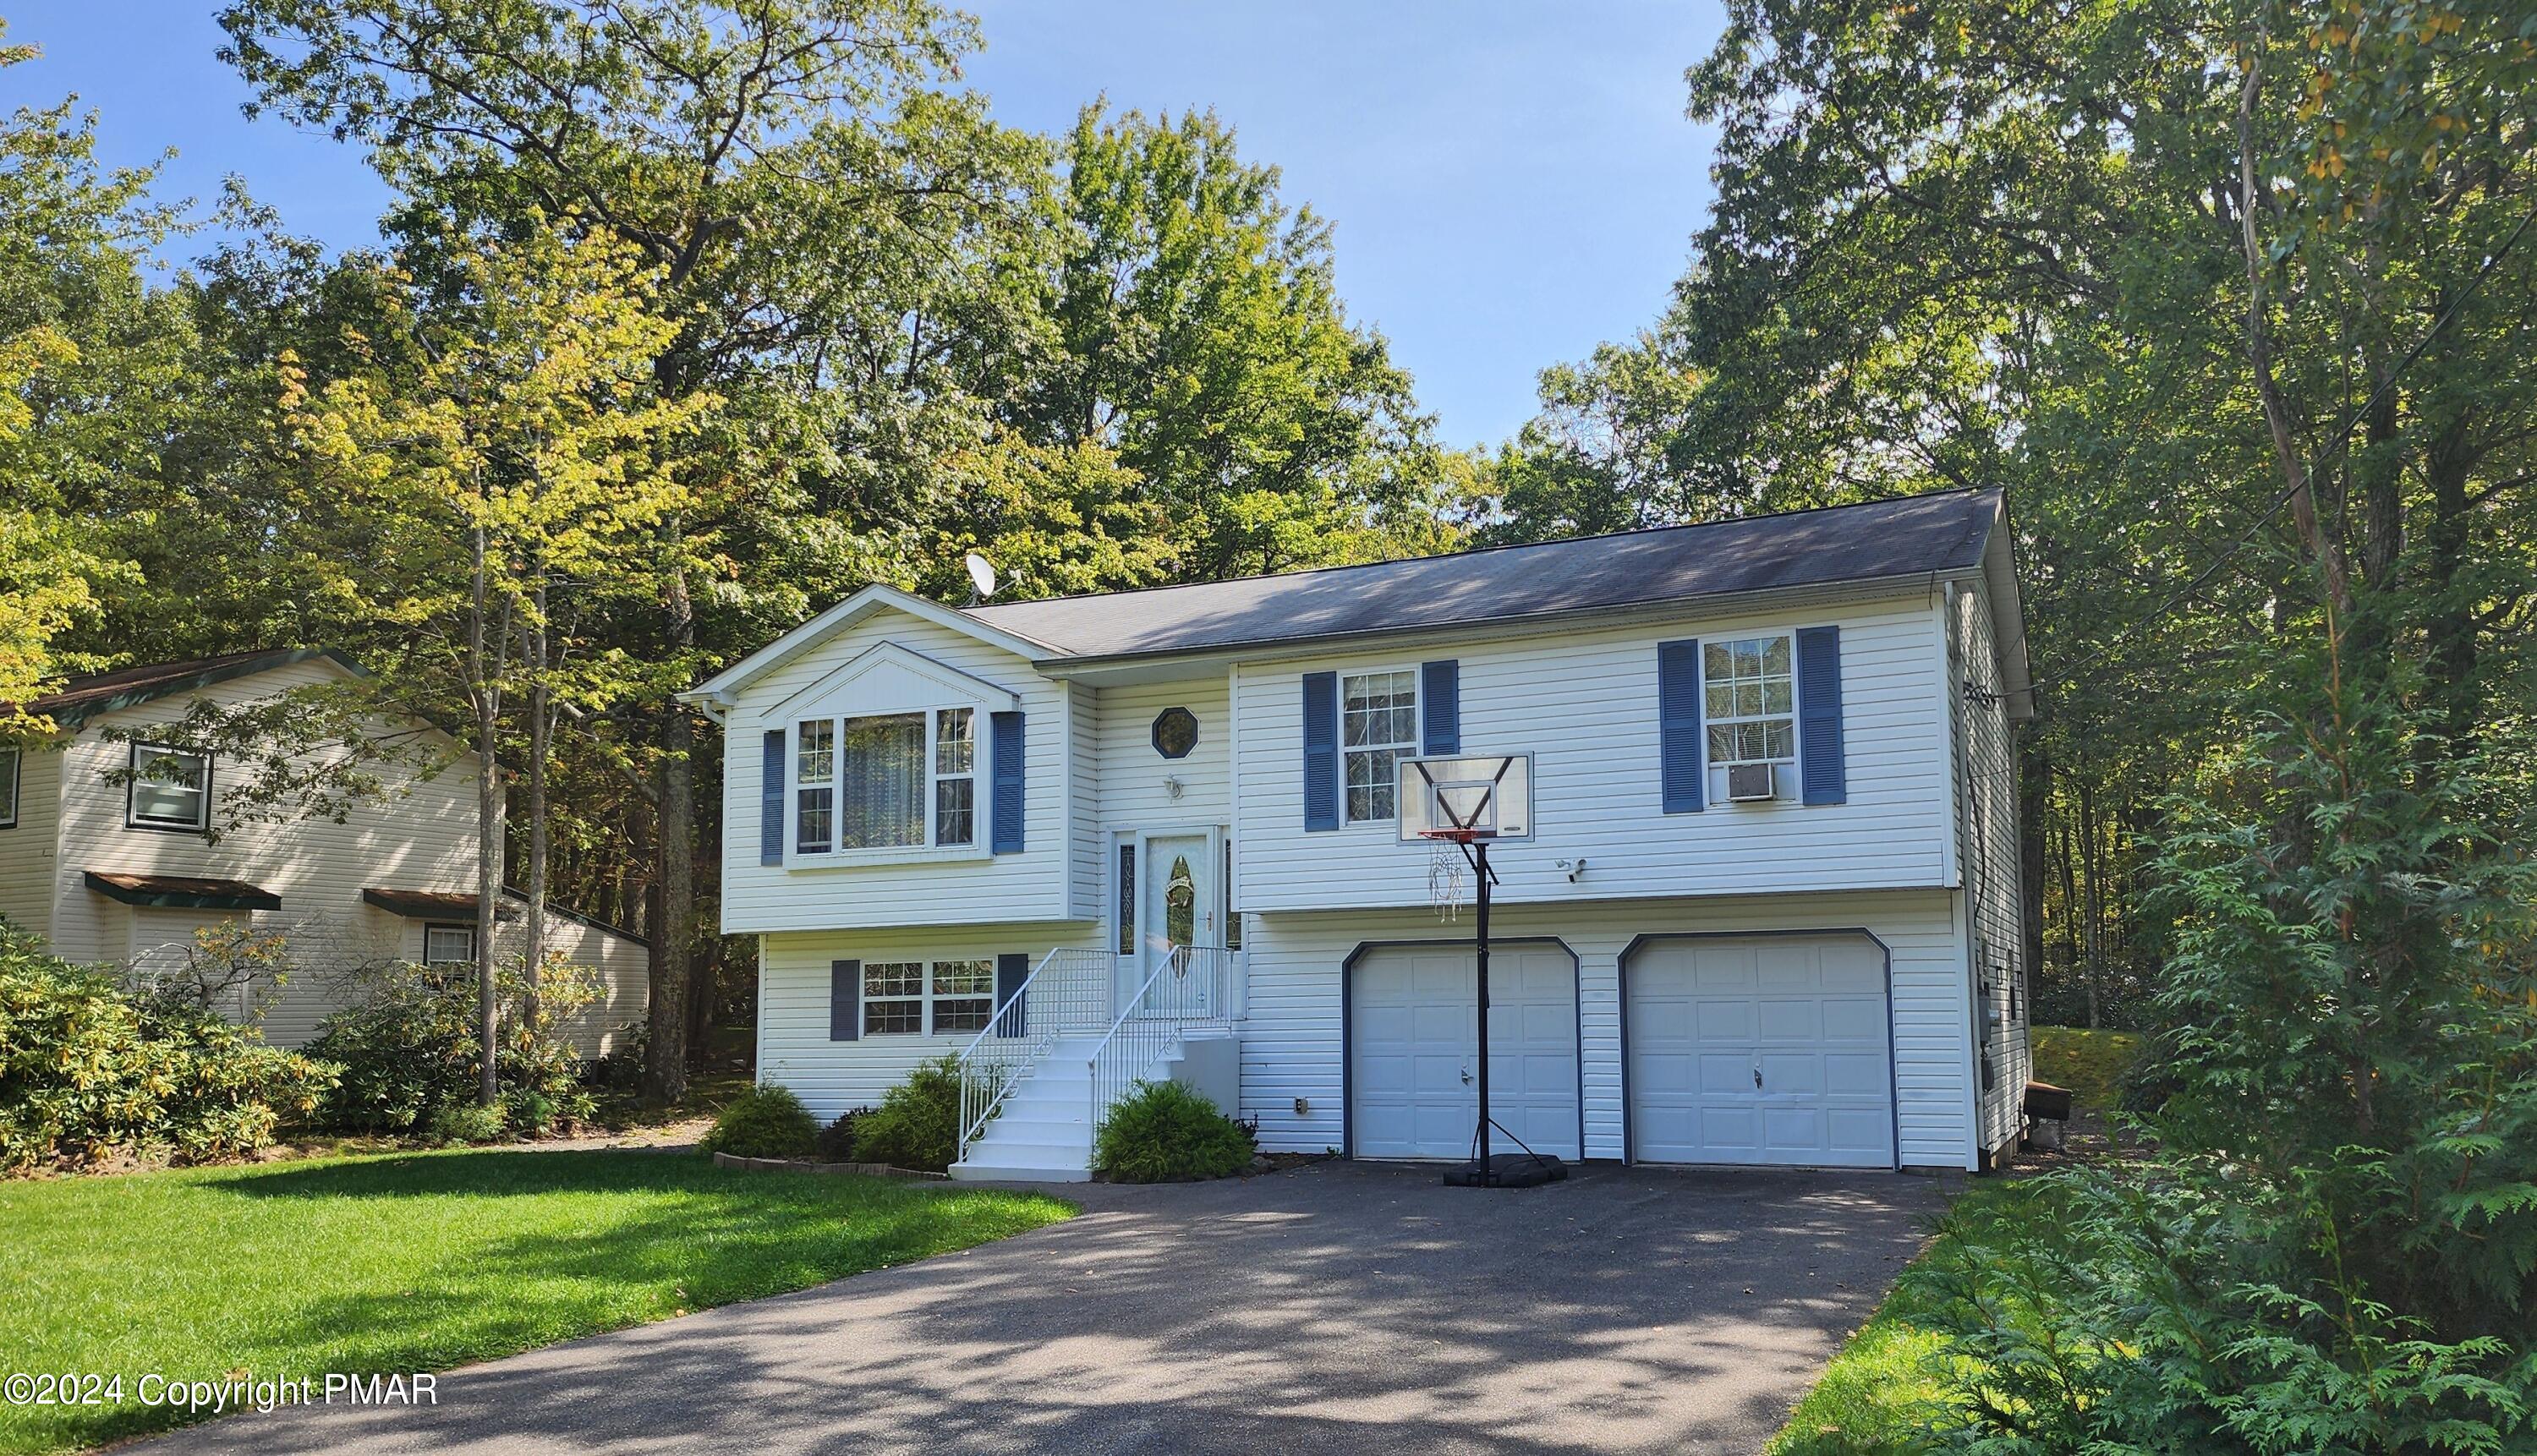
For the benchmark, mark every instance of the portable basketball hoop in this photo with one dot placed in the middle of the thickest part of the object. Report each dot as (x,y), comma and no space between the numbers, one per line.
(1460,805)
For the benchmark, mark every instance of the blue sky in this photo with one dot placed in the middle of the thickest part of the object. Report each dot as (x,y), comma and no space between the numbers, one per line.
(1509,184)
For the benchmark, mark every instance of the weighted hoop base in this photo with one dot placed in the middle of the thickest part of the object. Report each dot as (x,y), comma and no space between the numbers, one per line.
(1507,1170)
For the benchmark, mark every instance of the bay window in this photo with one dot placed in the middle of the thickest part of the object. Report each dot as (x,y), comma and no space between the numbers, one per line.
(887,781)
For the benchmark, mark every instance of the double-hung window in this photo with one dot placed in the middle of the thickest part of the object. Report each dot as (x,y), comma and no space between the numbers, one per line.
(1751,701)
(914,998)
(1378,727)
(171,788)
(449,945)
(888,780)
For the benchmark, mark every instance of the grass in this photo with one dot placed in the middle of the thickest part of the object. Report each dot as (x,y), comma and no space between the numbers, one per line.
(2090,1063)
(422,1261)
(1873,1397)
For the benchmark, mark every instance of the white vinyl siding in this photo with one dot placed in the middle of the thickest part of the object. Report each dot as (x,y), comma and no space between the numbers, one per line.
(419,836)
(1584,704)
(1986,802)
(1291,1043)
(937,885)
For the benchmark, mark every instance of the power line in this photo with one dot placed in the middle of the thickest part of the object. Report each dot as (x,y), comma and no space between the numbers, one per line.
(2342,439)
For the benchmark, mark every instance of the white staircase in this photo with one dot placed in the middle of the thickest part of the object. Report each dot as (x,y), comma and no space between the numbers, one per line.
(1044,1132)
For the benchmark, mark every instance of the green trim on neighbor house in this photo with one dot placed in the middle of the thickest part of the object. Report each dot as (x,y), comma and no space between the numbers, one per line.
(179,892)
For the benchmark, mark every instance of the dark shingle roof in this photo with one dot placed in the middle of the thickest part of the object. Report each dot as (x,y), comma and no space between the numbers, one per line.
(83,698)
(1841,544)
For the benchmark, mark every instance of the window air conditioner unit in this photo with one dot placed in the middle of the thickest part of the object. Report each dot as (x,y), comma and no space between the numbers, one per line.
(1747,783)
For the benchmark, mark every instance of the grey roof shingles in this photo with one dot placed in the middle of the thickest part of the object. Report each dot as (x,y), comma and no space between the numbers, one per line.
(1872,541)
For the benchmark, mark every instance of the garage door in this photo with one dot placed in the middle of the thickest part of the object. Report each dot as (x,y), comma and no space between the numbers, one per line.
(1413,1086)
(1761,1050)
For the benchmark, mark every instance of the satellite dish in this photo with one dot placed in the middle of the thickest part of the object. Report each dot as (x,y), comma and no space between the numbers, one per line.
(982,577)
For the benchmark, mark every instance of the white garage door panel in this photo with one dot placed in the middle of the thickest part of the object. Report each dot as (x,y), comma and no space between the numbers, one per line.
(1806,1013)
(1413,1086)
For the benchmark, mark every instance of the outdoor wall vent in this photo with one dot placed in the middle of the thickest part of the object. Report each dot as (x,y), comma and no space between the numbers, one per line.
(1747,783)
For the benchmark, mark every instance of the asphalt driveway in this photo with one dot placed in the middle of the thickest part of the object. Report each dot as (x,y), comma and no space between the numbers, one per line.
(1335,1308)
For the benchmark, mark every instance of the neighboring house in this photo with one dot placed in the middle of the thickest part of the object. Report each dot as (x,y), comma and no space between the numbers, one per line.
(928,808)
(126,872)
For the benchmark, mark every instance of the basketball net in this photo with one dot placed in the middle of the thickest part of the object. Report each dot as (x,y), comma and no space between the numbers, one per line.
(1445,881)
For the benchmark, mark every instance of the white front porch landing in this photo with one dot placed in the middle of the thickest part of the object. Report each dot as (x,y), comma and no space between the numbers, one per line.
(1035,1084)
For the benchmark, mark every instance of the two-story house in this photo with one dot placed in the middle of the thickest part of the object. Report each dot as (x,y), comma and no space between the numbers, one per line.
(1017,831)
(113,848)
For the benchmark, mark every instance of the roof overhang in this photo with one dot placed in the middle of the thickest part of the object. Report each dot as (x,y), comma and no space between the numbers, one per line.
(431,905)
(73,715)
(2007,618)
(1156,666)
(179,892)
(716,694)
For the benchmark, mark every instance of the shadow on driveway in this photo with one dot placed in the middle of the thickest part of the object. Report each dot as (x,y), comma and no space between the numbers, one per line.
(1334,1307)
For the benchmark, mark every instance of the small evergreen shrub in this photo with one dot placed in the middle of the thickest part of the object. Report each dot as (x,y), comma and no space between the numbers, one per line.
(408,1049)
(917,1125)
(468,1122)
(1165,1132)
(764,1122)
(837,1139)
(89,1068)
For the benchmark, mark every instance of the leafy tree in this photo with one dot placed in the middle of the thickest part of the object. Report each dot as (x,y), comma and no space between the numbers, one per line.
(531,443)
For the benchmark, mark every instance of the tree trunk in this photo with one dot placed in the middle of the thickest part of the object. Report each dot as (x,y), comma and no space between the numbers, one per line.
(484,688)
(665,1059)
(2092,870)
(541,741)
(2034,790)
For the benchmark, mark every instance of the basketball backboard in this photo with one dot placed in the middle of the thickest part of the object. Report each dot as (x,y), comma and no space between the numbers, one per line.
(1484,795)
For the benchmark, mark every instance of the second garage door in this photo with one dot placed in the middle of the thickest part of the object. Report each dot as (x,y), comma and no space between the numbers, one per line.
(1767,1049)
(1413,1087)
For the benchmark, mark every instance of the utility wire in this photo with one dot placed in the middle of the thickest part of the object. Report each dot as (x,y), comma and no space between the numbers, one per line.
(2342,439)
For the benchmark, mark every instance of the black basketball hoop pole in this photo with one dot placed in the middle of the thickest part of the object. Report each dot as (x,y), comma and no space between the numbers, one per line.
(1484,1171)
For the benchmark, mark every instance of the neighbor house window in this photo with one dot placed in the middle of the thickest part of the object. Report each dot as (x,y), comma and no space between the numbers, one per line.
(890,780)
(1751,701)
(1378,727)
(8,787)
(171,788)
(449,945)
(907,997)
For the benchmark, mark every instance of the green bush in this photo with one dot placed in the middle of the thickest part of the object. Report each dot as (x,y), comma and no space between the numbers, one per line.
(1164,1132)
(468,1122)
(918,1122)
(408,1049)
(764,1122)
(837,1139)
(87,1068)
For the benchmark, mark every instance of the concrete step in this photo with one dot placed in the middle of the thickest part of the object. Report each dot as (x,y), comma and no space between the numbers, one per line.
(1010,1130)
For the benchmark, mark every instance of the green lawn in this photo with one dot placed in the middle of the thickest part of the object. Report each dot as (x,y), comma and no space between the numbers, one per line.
(2090,1063)
(423,1261)
(1870,1399)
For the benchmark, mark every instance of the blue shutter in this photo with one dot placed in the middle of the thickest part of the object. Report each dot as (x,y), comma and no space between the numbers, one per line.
(1007,812)
(1819,755)
(1683,765)
(1440,707)
(770,801)
(1012,968)
(1320,750)
(845,1000)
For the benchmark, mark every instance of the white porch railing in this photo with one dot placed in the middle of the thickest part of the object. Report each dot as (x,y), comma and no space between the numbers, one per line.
(1067,994)
(1189,985)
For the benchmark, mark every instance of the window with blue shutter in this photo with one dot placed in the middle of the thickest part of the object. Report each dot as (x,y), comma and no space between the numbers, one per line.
(1680,765)
(1320,750)
(770,801)
(1440,707)
(845,1000)
(1012,968)
(1007,814)
(1819,745)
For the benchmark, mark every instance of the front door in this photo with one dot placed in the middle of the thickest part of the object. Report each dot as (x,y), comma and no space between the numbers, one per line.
(1178,900)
